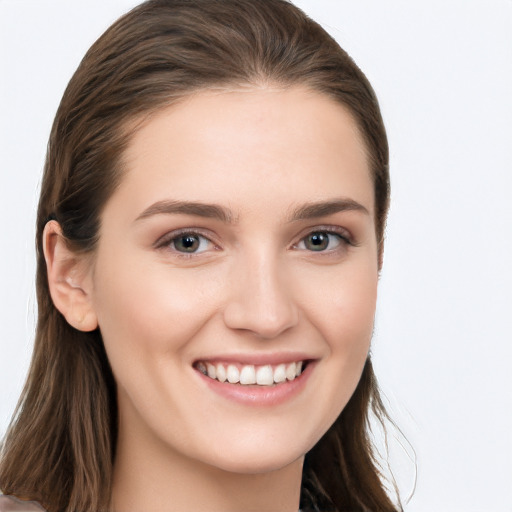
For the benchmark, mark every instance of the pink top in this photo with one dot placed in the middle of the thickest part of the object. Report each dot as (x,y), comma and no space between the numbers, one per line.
(12,504)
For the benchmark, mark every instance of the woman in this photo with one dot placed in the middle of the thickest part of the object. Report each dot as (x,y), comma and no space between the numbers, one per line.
(210,232)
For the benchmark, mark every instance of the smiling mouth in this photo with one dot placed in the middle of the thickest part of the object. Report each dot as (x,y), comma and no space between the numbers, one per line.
(247,375)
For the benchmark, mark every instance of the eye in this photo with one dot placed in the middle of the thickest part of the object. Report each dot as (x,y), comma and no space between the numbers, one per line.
(319,241)
(190,243)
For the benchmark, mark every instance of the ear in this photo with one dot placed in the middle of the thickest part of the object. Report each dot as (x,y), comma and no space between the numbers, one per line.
(69,279)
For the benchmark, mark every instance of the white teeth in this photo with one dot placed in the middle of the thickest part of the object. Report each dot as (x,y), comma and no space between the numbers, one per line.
(291,370)
(280,373)
(233,374)
(248,375)
(264,376)
(221,373)
(212,373)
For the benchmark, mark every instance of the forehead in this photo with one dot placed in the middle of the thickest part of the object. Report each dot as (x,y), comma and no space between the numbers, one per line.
(271,146)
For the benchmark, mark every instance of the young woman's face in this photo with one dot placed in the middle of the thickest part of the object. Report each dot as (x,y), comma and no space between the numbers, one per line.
(240,242)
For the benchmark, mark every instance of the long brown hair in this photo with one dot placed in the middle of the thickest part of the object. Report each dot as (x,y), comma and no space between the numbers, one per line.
(60,446)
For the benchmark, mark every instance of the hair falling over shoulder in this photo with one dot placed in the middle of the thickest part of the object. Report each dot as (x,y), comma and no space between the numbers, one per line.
(60,446)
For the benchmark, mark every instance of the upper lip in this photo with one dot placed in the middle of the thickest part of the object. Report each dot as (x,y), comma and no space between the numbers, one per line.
(258,359)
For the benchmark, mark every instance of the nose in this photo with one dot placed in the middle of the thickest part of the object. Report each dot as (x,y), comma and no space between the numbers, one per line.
(260,299)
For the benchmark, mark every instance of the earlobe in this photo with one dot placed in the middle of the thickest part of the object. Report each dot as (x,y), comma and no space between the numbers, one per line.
(68,279)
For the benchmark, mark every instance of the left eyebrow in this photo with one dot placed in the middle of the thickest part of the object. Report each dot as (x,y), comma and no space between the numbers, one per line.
(323,208)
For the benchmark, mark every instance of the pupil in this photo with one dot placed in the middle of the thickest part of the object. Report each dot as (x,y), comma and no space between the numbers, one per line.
(188,243)
(318,241)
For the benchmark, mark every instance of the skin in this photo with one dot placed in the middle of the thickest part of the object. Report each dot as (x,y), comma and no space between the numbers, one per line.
(255,286)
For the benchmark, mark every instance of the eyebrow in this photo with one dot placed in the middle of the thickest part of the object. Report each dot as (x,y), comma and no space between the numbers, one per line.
(210,211)
(323,208)
(214,211)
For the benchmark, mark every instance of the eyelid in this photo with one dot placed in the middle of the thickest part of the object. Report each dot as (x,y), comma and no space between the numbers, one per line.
(164,241)
(343,233)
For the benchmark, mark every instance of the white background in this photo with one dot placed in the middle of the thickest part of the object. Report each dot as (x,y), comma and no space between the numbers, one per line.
(443,349)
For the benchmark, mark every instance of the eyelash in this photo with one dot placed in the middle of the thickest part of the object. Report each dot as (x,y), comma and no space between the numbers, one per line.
(169,240)
(341,234)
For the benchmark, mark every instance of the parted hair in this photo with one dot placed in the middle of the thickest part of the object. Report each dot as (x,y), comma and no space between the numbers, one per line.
(60,446)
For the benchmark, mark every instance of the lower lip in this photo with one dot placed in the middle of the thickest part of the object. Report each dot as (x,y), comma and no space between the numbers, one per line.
(260,395)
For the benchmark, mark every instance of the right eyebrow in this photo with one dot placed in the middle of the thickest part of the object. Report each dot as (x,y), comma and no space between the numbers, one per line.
(206,210)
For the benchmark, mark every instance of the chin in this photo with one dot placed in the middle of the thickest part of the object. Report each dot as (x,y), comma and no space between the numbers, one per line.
(267,464)
(255,458)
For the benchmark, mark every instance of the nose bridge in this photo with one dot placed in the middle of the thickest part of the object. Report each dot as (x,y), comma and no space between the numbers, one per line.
(260,300)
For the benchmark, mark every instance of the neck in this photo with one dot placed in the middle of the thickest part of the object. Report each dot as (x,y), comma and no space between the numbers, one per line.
(157,479)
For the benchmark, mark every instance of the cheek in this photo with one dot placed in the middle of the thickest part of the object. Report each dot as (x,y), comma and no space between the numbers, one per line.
(342,304)
(353,310)
(356,308)
(344,311)
(146,310)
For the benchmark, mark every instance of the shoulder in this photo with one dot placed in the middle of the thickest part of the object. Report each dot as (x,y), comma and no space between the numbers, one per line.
(12,504)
